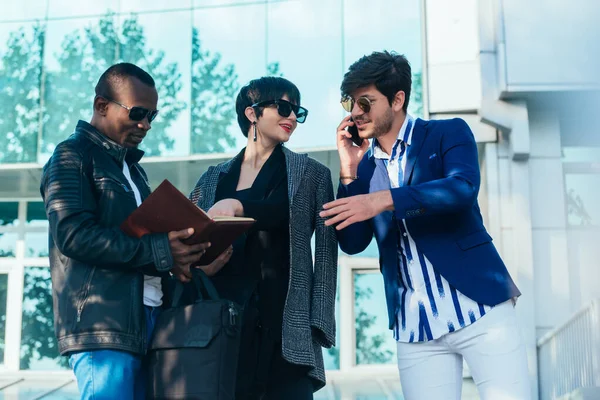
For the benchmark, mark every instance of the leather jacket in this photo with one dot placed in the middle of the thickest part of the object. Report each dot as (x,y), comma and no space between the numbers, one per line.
(97,271)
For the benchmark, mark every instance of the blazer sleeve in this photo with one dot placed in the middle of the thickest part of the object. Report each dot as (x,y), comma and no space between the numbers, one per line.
(458,188)
(196,194)
(325,268)
(356,237)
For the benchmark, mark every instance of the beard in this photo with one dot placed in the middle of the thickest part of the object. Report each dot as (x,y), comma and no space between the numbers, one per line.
(381,125)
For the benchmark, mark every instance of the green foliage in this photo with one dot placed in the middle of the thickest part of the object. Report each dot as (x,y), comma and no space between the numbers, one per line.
(214,88)
(83,56)
(38,341)
(415,104)
(20,83)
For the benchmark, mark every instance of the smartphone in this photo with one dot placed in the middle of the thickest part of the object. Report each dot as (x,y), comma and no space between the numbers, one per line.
(356,139)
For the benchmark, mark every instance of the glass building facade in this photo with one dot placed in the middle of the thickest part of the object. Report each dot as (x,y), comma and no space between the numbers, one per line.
(200,52)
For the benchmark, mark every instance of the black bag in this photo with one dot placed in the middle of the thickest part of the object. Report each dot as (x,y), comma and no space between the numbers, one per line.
(194,350)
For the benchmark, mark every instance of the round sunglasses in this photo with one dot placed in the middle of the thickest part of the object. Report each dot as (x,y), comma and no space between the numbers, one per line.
(285,108)
(364,103)
(137,113)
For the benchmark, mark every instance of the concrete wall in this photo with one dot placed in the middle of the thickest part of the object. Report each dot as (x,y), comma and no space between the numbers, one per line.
(452,49)
(548,44)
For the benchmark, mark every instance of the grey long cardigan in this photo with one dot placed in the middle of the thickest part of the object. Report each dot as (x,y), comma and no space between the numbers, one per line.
(309,313)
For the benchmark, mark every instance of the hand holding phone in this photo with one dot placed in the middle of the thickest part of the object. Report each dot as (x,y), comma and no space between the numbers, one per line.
(353,130)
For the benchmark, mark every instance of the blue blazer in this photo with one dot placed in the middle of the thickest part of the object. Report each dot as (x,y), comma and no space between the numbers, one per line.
(438,200)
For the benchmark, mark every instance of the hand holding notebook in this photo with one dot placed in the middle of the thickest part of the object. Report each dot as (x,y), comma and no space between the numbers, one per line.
(167,209)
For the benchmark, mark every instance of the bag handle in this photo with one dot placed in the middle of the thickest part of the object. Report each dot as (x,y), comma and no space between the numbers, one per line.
(200,281)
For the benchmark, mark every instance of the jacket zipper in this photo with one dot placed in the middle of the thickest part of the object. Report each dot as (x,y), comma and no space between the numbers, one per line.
(124,186)
(85,295)
(233,314)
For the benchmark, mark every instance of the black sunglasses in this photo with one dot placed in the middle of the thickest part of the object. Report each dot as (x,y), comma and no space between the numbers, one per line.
(285,108)
(137,113)
(364,103)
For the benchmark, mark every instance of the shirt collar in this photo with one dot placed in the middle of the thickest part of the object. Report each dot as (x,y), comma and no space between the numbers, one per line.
(405,134)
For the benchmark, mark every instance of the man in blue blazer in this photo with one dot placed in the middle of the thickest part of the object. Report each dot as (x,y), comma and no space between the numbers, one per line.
(414,188)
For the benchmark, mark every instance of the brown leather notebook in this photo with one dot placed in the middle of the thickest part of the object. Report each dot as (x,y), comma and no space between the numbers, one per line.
(167,209)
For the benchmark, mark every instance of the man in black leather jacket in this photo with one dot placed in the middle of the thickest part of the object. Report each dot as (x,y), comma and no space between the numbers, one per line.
(105,284)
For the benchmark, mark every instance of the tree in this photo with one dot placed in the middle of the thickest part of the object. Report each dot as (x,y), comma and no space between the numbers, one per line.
(3,292)
(37,102)
(416,101)
(8,216)
(368,347)
(82,59)
(577,210)
(20,82)
(273,69)
(214,88)
(38,340)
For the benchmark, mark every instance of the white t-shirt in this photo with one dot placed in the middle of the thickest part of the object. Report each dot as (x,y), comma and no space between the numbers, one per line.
(152,288)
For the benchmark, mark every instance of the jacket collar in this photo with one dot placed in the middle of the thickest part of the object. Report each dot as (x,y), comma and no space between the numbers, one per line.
(116,151)
(295,166)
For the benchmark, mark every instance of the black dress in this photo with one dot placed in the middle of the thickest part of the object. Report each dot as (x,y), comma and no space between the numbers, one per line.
(257,276)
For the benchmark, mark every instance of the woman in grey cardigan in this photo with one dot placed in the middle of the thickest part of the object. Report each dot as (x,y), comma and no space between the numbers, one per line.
(289,300)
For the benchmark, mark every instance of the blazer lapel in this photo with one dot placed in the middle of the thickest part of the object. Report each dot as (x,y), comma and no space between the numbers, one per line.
(295,165)
(412,152)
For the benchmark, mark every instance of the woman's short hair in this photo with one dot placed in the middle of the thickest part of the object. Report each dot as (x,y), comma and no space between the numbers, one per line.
(262,89)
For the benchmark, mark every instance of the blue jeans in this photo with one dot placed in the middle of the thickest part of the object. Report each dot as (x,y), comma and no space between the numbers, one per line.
(113,374)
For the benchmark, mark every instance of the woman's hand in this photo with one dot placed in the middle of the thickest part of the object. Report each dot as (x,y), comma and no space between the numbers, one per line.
(227,208)
(219,262)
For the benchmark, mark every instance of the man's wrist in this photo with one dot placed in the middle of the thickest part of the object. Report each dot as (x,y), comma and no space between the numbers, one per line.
(384,200)
(348,174)
(348,170)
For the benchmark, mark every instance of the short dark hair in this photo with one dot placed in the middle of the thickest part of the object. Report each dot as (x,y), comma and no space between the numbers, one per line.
(114,76)
(389,72)
(263,89)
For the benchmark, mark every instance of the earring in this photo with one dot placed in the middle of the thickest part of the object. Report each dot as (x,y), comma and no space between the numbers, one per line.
(254,123)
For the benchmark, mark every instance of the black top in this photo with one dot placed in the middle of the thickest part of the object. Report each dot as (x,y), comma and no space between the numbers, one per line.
(259,269)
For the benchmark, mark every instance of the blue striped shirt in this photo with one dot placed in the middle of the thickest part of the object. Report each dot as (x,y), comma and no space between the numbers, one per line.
(429,306)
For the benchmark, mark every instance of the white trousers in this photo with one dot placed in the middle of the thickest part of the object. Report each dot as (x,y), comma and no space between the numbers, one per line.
(492,348)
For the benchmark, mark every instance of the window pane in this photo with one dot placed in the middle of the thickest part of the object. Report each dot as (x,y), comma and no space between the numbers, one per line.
(25,9)
(69,8)
(584,254)
(39,350)
(69,76)
(313,29)
(581,154)
(36,214)
(21,47)
(9,213)
(583,190)
(78,52)
(166,53)
(374,341)
(3,291)
(8,244)
(224,56)
(405,38)
(36,244)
